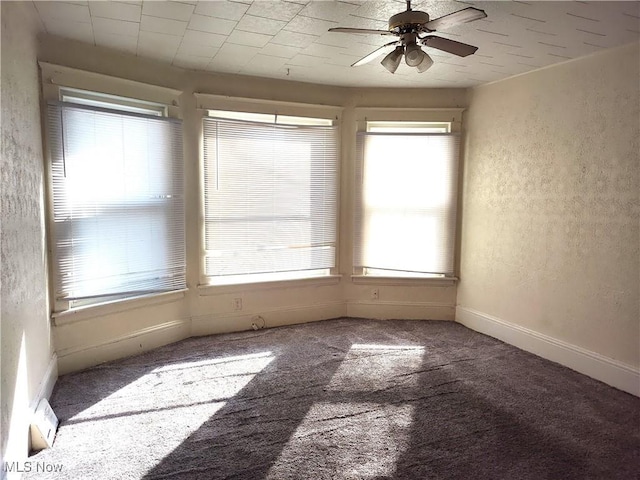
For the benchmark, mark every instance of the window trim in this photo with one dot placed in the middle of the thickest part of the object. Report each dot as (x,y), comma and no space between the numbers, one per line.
(384,114)
(270,118)
(374,126)
(206,290)
(89,312)
(56,77)
(208,101)
(403,281)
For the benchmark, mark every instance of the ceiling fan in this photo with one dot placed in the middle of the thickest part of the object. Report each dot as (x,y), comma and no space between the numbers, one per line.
(413,28)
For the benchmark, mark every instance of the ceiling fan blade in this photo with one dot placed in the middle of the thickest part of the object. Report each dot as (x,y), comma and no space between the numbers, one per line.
(457,48)
(376,53)
(465,15)
(360,30)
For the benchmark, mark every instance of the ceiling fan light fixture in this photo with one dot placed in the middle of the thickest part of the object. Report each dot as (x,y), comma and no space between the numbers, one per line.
(426,63)
(413,55)
(392,60)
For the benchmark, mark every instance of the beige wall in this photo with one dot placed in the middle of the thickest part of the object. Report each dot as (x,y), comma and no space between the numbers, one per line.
(25,333)
(97,335)
(550,218)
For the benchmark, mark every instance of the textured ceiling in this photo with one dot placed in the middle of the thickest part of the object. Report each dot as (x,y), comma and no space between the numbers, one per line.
(289,39)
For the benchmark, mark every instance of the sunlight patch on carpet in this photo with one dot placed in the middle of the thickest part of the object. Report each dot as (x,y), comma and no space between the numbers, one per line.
(390,348)
(371,367)
(202,381)
(360,440)
(237,363)
(160,410)
(156,434)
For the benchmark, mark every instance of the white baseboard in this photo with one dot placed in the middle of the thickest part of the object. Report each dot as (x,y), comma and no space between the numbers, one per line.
(45,387)
(48,381)
(78,358)
(383,310)
(240,321)
(594,365)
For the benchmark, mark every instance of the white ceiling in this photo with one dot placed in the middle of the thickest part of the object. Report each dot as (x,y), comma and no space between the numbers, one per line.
(289,39)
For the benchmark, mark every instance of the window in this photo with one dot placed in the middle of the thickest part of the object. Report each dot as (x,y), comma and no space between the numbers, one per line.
(405,217)
(118,207)
(270,202)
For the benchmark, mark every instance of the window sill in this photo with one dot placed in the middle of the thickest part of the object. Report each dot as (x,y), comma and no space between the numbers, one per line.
(408,281)
(221,289)
(89,312)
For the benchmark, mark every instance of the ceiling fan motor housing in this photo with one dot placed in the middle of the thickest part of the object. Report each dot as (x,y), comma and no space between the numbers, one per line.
(406,21)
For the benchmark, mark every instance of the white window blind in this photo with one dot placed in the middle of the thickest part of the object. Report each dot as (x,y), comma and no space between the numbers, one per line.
(405,216)
(118,207)
(270,198)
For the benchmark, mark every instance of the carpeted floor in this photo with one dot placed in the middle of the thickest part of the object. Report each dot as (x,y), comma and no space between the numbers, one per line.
(341,399)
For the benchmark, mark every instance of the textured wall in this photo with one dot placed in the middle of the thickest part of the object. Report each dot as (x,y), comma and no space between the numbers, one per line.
(26,345)
(550,222)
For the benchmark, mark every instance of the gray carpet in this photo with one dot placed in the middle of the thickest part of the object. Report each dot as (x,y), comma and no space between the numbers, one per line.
(341,399)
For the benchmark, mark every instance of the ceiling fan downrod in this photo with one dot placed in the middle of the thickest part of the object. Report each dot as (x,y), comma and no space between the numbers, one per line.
(407,21)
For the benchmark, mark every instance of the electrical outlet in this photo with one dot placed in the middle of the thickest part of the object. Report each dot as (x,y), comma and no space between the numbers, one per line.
(237,303)
(375,294)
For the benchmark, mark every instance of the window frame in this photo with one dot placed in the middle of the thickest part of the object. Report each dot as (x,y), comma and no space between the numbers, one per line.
(98,90)
(417,118)
(268,112)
